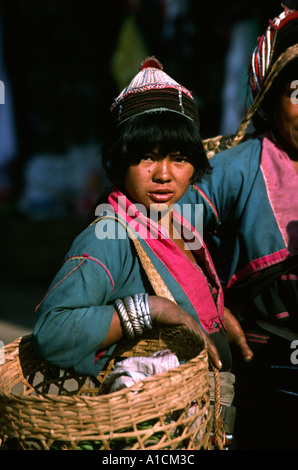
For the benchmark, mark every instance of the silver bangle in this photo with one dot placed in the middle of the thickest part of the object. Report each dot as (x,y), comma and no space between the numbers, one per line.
(124,319)
(146,311)
(137,300)
(148,316)
(133,315)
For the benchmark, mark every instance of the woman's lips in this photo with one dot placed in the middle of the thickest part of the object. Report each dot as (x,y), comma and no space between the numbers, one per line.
(161,196)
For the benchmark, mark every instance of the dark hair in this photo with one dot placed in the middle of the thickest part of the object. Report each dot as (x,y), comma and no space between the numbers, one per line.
(141,134)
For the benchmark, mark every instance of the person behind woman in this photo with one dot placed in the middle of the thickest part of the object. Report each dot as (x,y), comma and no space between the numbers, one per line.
(101,291)
(251,228)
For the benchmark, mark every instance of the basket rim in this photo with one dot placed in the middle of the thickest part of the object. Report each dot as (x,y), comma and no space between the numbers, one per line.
(42,397)
(170,372)
(51,397)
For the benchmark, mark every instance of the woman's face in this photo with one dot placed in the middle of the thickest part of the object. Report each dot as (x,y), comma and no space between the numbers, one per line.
(158,181)
(286,114)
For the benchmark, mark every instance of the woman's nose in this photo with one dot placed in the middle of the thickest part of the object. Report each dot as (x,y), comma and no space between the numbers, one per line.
(162,171)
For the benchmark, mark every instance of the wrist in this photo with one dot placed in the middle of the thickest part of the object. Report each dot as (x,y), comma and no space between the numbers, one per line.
(164,311)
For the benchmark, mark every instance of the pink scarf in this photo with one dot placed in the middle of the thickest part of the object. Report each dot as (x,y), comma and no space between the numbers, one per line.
(189,275)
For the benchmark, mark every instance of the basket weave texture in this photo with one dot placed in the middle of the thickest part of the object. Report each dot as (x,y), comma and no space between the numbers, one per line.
(42,407)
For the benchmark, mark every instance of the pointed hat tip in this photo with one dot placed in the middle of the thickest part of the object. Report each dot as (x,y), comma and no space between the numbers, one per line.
(151,62)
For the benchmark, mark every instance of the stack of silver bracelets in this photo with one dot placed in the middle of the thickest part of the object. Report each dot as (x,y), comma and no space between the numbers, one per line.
(134,314)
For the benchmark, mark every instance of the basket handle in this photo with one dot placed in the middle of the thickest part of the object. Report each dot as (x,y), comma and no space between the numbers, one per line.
(218,425)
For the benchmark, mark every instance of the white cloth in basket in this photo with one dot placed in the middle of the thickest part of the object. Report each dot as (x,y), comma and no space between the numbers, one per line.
(134,369)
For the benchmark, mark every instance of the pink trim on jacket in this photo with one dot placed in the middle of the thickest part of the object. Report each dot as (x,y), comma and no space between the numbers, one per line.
(259,264)
(282,186)
(83,258)
(281,182)
(207,200)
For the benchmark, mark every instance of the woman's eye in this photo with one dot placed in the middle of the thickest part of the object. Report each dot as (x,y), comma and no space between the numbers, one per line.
(147,158)
(181,159)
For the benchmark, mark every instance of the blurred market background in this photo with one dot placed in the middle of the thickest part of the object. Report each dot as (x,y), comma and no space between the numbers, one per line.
(62,63)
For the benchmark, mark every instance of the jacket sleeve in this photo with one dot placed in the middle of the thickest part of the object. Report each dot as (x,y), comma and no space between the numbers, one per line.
(73,318)
(75,315)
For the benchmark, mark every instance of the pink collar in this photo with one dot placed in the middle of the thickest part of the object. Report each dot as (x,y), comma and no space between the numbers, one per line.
(282,185)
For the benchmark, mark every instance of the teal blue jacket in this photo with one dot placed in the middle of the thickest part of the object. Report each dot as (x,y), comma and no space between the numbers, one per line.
(249,206)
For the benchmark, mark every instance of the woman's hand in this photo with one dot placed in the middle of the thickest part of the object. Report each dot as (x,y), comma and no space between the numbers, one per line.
(166,312)
(236,335)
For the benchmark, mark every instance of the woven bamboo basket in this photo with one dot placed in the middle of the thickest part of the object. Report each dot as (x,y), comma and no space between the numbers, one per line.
(44,408)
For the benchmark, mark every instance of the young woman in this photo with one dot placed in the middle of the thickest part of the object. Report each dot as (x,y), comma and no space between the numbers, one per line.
(101,291)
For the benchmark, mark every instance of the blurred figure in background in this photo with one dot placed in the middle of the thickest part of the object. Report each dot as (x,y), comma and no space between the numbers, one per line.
(251,228)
